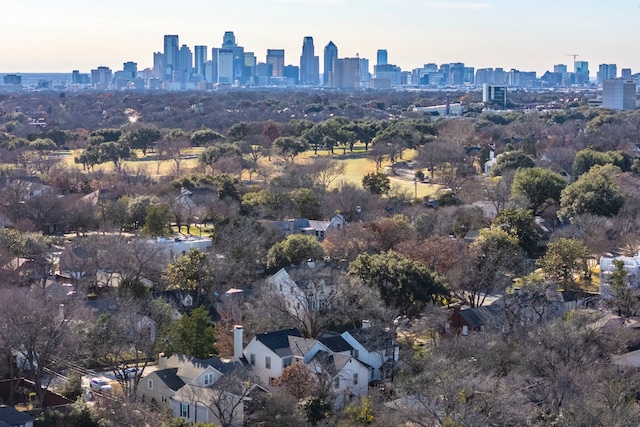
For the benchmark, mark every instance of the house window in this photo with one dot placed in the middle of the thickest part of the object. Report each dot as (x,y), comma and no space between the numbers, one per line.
(336,382)
(267,362)
(252,359)
(465,330)
(184,410)
(150,384)
(355,353)
(286,362)
(355,379)
(208,379)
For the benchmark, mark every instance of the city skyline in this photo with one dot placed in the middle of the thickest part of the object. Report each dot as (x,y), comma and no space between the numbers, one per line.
(44,36)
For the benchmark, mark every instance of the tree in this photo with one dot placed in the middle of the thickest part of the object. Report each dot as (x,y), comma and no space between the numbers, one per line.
(490,265)
(404,284)
(140,138)
(565,261)
(157,220)
(205,137)
(192,335)
(39,330)
(294,250)
(376,183)
(624,299)
(512,160)
(520,223)
(587,158)
(595,192)
(298,381)
(288,148)
(191,272)
(540,187)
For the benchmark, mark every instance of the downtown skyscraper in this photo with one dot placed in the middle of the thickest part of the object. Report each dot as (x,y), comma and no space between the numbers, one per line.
(170,59)
(309,64)
(330,54)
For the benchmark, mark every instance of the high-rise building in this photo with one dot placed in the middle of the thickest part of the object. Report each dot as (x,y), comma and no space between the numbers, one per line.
(225,64)
(625,73)
(560,68)
(382,57)
(309,64)
(494,95)
(229,43)
(365,76)
(330,53)
(619,94)
(170,56)
(101,77)
(131,69)
(201,60)
(12,79)
(249,66)
(606,72)
(158,65)
(275,58)
(346,73)
(292,72)
(581,70)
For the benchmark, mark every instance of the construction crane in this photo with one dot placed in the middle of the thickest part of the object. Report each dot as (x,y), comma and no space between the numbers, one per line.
(575,55)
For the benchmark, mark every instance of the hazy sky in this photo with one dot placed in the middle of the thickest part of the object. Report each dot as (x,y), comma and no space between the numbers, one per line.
(62,35)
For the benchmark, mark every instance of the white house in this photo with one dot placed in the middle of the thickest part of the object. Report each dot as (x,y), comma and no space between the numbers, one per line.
(347,376)
(374,347)
(208,404)
(269,353)
(632,267)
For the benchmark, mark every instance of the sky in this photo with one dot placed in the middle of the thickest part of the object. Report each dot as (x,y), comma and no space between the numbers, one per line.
(63,35)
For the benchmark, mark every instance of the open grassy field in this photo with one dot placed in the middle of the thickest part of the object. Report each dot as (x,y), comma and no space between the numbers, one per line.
(356,165)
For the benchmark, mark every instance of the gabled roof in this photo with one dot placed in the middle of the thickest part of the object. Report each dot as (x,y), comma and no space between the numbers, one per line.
(13,417)
(479,316)
(336,343)
(332,363)
(278,341)
(170,378)
(372,338)
(301,346)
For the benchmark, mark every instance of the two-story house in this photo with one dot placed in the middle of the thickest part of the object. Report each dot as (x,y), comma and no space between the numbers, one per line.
(375,347)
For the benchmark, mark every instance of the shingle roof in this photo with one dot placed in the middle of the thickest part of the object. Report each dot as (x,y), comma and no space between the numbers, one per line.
(13,417)
(478,316)
(331,362)
(278,341)
(373,338)
(336,343)
(300,346)
(170,378)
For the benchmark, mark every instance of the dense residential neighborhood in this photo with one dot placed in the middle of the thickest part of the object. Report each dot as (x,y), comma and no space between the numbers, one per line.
(318,258)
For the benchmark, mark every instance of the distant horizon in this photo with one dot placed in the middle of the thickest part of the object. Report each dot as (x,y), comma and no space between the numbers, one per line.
(40,36)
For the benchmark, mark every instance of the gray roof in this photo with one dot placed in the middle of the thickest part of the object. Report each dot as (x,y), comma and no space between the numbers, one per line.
(331,362)
(479,316)
(373,338)
(170,378)
(300,346)
(278,341)
(13,417)
(336,343)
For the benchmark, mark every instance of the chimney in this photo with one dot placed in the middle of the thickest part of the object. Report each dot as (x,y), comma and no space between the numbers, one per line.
(366,324)
(162,361)
(237,342)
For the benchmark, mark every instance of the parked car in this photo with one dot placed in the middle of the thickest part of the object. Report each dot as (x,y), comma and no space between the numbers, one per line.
(98,384)
(126,373)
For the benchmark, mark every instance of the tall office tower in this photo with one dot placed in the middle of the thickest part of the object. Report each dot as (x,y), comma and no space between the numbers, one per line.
(101,77)
(456,73)
(330,53)
(225,64)
(619,94)
(382,57)
(275,58)
(229,43)
(581,70)
(201,60)
(131,69)
(170,56)
(185,59)
(158,65)
(626,73)
(292,72)
(606,72)
(560,68)
(309,64)
(346,73)
(249,67)
(365,76)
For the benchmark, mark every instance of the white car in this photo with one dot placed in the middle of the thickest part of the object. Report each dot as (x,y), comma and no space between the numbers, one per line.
(98,384)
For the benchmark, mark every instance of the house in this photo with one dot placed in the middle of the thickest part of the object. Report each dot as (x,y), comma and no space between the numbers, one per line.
(304,289)
(376,348)
(204,404)
(631,266)
(476,318)
(317,228)
(346,375)
(174,372)
(270,353)
(9,416)
(174,247)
